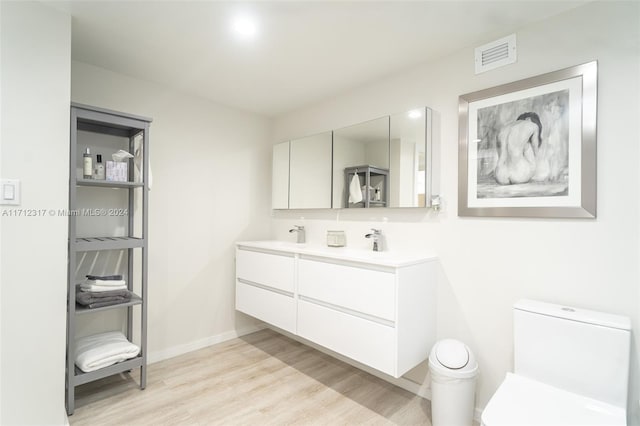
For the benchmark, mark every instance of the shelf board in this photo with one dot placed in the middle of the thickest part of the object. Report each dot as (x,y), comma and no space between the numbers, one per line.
(108,183)
(135,300)
(364,169)
(107,243)
(81,377)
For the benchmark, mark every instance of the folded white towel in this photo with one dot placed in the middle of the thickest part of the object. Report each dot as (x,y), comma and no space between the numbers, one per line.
(99,288)
(113,283)
(355,193)
(102,350)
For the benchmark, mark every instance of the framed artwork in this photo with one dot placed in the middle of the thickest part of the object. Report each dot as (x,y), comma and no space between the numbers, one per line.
(528,148)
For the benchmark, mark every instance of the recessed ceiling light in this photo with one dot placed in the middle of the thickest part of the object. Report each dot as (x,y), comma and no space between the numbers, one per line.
(415,113)
(244,26)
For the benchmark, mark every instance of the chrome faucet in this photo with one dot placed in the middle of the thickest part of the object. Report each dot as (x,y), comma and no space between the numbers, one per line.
(301,234)
(377,233)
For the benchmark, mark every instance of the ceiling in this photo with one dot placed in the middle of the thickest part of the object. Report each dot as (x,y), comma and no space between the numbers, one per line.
(304,52)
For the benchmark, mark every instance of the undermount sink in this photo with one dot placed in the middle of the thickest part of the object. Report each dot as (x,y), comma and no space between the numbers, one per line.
(290,244)
(275,244)
(384,258)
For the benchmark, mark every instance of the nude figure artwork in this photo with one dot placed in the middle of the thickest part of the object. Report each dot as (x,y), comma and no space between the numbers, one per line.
(518,144)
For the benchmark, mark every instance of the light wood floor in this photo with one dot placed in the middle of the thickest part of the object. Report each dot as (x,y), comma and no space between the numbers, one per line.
(260,379)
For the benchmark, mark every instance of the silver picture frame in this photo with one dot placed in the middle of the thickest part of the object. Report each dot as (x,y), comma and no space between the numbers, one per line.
(528,148)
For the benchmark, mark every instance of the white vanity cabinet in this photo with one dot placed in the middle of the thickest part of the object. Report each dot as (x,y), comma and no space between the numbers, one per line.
(265,283)
(377,310)
(380,316)
(348,309)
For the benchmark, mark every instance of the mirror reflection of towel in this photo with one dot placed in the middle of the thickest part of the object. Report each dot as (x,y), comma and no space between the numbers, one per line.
(355,193)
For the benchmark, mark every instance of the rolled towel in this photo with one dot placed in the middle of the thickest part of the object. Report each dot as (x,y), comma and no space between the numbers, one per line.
(355,194)
(102,350)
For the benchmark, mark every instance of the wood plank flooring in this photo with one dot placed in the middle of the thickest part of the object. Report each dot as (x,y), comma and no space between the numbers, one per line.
(260,379)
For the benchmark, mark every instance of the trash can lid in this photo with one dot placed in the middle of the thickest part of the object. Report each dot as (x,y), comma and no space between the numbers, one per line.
(452,354)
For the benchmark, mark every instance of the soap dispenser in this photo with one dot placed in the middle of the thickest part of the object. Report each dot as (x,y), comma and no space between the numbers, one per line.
(87,167)
(98,171)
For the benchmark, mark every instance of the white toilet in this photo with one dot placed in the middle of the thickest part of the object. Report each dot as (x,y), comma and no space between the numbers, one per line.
(571,367)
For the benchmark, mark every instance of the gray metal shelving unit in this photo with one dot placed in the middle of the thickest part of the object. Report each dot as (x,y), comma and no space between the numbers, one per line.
(106,122)
(369,176)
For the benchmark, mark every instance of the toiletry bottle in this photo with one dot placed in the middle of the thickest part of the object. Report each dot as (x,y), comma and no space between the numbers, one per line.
(87,166)
(98,171)
(377,195)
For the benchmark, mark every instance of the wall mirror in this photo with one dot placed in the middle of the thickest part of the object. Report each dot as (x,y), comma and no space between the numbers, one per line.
(310,172)
(361,165)
(410,159)
(385,162)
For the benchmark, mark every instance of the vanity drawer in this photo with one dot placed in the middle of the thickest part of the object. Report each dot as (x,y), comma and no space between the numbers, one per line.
(359,289)
(272,270)
(362,340)
(269,306)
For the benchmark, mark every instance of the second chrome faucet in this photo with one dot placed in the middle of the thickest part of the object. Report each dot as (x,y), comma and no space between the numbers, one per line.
(376,234)
(301,234)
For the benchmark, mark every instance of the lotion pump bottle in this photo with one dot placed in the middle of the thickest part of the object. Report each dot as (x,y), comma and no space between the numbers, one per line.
(98,171)
(87,166)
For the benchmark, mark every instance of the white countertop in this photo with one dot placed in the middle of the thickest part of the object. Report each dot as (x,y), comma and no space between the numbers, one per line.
(382,258)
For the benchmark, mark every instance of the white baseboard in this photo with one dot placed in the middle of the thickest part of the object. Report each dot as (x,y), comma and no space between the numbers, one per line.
(199,344)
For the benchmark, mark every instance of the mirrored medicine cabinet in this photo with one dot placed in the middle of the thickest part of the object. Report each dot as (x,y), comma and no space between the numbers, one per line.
(385,162)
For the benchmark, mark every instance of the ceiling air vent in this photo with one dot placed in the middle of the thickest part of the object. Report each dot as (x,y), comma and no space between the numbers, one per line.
(496,54)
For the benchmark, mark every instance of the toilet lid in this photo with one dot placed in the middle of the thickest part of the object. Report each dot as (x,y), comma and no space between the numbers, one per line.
(452,354)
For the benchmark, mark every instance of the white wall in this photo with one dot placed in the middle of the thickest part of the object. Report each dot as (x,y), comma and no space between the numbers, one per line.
(488,264)
(211,187)
(35,86)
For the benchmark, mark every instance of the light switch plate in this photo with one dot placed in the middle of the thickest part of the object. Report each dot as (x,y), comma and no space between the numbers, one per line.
(10,192)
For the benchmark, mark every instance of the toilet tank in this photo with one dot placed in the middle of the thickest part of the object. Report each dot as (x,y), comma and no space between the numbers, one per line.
(584,352)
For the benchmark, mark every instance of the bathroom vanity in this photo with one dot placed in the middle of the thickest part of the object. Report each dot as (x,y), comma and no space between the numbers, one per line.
(378,309)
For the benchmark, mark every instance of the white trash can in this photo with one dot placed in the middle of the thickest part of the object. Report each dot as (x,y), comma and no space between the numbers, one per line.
(453,383)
